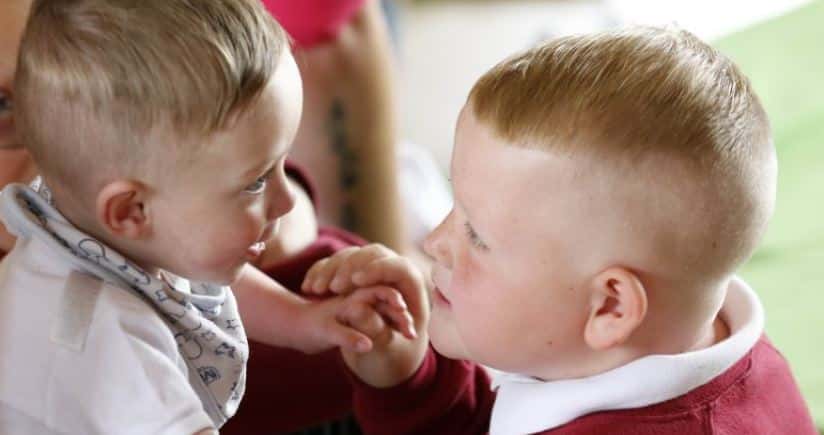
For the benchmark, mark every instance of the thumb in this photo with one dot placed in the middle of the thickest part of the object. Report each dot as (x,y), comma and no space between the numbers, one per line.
(348,339)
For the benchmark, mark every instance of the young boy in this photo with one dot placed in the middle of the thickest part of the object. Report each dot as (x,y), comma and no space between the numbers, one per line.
(160,129)
(607,187)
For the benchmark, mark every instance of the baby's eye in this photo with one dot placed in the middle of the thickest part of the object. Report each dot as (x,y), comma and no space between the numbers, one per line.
(258,186)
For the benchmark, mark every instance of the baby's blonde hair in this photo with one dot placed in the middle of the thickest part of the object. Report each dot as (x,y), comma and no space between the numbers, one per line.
(98,81)
(644,101)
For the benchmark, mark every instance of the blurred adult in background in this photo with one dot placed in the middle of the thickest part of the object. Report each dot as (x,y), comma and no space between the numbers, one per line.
(347,136)
(15,163)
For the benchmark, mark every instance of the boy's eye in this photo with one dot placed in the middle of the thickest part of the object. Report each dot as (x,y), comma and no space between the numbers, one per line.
(474,238)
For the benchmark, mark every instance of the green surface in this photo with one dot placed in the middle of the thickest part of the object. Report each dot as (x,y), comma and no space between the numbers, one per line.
(784,58)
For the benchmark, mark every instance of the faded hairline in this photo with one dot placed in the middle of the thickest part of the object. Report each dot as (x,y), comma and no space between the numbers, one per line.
(647,95)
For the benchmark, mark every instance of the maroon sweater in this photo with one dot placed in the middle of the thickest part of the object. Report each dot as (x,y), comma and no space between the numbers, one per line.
(287,390)
(757,395)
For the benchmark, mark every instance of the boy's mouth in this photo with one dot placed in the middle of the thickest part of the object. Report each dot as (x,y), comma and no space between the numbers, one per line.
(436,278)
(256,250)
(439,297)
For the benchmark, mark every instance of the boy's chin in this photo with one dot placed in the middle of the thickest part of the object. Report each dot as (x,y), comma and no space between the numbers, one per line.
(445,342)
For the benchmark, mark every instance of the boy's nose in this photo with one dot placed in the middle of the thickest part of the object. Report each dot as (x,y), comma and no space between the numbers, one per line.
(435,244)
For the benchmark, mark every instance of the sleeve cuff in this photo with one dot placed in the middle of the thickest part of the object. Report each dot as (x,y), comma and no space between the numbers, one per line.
(379,401)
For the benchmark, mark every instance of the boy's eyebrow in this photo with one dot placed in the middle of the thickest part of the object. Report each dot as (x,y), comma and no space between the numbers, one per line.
(466,213)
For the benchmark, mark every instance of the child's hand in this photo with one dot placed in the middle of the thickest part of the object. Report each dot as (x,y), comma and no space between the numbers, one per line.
(393,358)
(349,321)
(359,267)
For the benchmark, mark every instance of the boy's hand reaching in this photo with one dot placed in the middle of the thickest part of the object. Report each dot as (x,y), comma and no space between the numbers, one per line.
(394,356)
(348,321)
(275,316)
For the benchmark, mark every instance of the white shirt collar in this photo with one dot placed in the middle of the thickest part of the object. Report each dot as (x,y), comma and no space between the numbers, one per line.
(526,405)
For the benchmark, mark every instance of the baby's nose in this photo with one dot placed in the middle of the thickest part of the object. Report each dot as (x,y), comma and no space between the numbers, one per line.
(281,201)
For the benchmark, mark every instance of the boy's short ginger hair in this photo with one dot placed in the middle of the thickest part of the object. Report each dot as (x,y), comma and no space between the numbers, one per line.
(99,81)
(649,103)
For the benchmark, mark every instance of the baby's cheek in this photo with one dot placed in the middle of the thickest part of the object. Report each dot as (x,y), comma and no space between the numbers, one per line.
(224,247)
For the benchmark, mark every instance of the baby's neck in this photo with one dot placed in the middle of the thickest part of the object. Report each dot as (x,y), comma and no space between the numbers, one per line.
(84,221)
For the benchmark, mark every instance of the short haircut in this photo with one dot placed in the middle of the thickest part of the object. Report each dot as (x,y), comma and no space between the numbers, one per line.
(97,78)
(647,94)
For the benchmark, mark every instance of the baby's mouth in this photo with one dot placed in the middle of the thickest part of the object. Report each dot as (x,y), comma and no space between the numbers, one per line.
(257,249)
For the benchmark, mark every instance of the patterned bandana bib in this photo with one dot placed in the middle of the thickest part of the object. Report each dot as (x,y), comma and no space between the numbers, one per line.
(203,317)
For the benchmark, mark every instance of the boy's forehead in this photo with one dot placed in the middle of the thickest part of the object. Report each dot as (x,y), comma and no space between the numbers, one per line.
(490,174)
(473,142)
(480,153)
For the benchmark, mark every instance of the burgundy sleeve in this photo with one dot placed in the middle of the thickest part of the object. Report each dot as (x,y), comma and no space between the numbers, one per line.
(312,22)
(287,390)
(444,396)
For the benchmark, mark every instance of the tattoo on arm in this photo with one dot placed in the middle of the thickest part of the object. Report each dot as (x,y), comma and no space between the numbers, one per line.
(347,161)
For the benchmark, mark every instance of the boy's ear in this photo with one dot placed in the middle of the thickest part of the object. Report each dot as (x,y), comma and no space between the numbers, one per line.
(618,305)
(122,211)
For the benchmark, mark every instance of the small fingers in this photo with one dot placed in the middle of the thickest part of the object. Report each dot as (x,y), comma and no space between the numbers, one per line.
(389,304)
(399,319)
(348,338)
(342,281)
(320,275)
(312,275)
(364,318)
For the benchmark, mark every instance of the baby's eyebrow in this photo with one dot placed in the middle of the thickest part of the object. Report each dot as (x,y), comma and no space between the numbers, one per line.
(259,169)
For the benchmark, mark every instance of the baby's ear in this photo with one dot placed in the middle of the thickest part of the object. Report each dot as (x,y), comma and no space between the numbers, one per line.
(618,305)
(121,209)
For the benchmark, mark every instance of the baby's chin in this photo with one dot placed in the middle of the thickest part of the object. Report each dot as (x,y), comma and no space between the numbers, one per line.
(215,275)
(229,278)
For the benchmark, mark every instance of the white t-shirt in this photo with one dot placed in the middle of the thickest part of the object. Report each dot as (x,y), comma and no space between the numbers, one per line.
(80,356)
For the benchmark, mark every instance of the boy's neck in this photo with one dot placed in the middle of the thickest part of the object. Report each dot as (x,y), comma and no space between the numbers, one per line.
(715,333)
